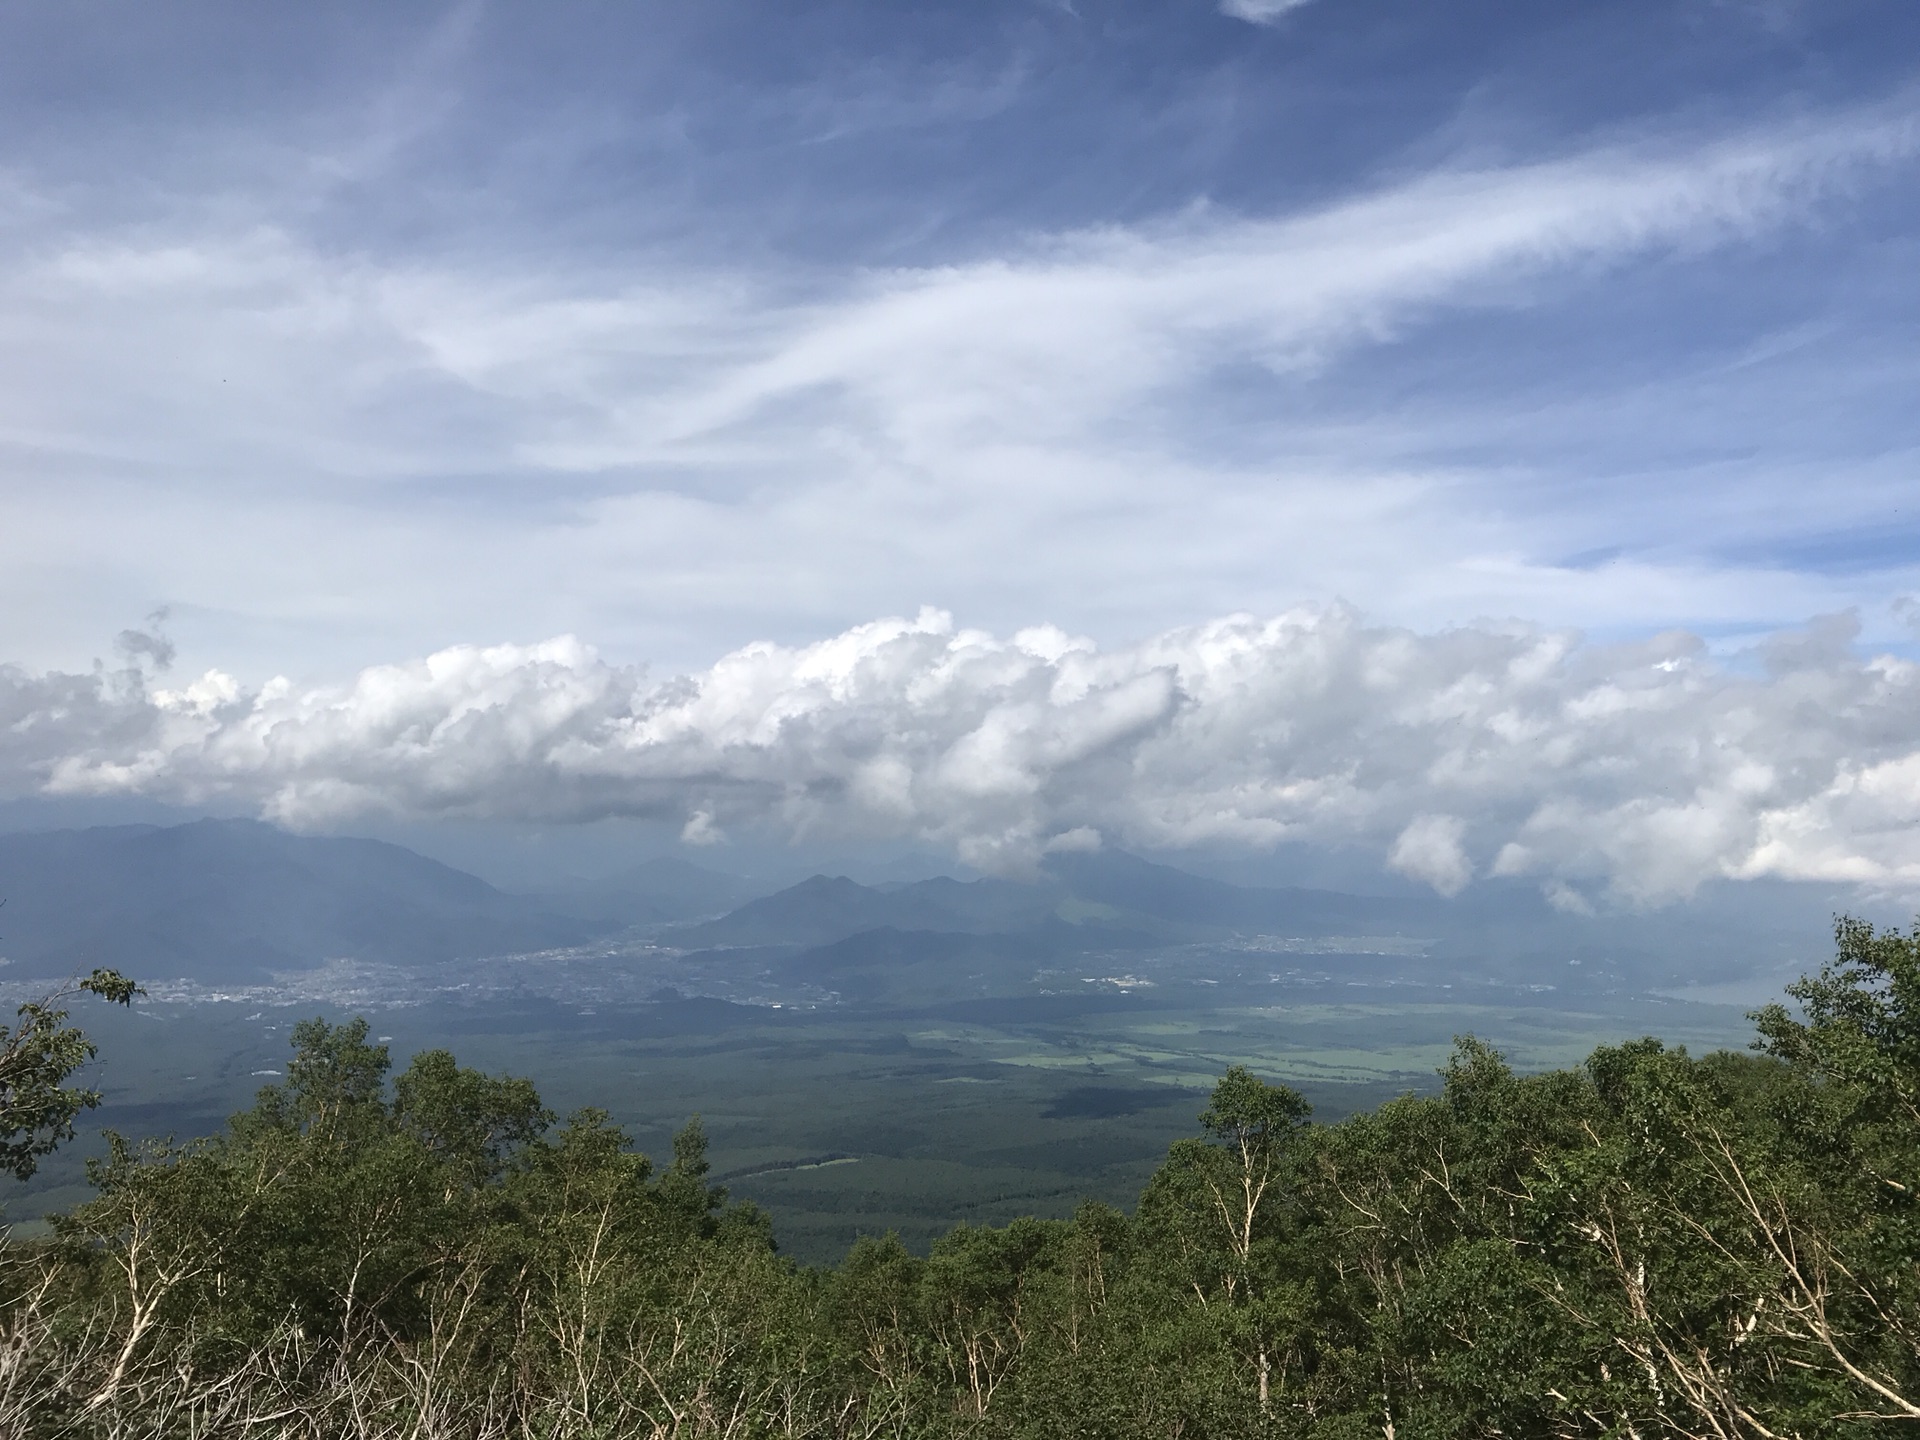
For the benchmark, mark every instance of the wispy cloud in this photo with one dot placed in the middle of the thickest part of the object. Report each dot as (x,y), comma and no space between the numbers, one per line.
(1259,12)
(1004,434)
(1082,327)
(1638,770)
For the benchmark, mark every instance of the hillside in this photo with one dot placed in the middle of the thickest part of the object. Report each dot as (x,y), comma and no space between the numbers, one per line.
(226,900)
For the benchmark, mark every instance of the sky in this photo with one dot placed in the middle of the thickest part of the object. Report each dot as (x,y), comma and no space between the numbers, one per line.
(1483,435)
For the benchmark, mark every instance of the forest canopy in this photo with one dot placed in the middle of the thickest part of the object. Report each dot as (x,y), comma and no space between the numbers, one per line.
(1651,1244)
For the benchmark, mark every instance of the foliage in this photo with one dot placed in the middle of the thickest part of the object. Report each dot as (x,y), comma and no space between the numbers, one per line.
(1652,1244)
(37,1057)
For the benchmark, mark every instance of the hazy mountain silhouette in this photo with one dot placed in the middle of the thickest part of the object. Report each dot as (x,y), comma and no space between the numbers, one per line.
(234,899)
(826,908)
(1109,890)
(940,937)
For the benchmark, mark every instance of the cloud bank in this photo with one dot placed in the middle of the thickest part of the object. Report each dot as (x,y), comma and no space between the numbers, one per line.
(1637,771)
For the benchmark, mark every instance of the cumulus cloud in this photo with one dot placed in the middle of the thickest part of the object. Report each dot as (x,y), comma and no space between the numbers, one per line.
(1429,850)
(1642,770)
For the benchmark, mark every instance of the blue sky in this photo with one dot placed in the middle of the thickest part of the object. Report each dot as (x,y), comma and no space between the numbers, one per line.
(347,334)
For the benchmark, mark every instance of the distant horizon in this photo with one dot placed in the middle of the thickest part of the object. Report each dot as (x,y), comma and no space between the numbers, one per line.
(533,861)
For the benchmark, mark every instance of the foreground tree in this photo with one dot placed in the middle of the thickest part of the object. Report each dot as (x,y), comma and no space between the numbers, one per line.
(38,1055)
(1838,1208)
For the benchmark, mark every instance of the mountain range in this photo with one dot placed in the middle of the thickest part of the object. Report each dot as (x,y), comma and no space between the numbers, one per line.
(229,900)
(225,900)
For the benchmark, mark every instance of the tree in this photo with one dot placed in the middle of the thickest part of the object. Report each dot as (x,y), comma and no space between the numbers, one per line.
(1252,1123)
(464,1117)
(1846,1237)
(1215,1212)
(1863,1022)
(37,1057)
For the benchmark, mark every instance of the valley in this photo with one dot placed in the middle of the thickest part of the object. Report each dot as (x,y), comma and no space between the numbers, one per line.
(846,1119)
(865,1058)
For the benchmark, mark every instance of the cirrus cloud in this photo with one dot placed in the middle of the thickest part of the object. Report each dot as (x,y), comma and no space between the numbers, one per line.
(1259,12)
(300,445)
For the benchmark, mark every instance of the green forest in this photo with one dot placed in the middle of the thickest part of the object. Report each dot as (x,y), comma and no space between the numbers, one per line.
(1653,1243)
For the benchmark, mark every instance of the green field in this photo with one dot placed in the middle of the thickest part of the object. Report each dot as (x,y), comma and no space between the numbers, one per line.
(846,1122)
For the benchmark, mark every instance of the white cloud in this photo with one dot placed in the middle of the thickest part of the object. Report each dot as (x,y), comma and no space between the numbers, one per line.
(1259,12)
(1644,769)
(1564,898)
(1051,344)
(269,431)
(1429,850)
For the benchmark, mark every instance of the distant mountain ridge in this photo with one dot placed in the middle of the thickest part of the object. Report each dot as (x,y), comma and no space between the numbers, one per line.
(237,900)
(1109,891)
(868,941)
(827,908)
(224,900)
(233,900)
